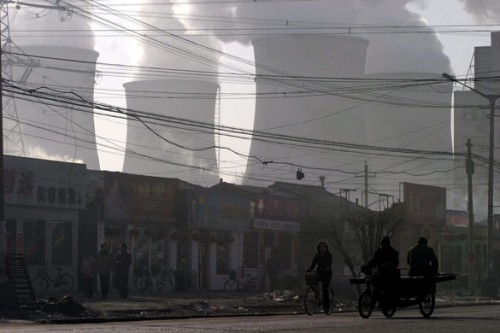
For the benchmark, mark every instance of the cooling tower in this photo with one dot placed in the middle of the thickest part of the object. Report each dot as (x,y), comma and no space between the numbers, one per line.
(179,152)
(54,132)
(305,107)
(409,115)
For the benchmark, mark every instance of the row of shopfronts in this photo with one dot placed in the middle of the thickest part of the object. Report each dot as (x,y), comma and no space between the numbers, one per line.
(56,211)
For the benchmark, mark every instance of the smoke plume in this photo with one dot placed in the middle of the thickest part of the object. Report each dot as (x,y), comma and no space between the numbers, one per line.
(173,45)
(484,11)
(389,51)
(41,22)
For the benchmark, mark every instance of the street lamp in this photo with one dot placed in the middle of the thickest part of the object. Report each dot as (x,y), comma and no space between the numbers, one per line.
(492,99)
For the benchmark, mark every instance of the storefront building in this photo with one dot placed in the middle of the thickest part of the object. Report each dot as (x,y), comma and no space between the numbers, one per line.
(43,200)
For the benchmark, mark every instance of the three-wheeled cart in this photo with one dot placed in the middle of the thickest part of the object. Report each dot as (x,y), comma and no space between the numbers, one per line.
(405,291)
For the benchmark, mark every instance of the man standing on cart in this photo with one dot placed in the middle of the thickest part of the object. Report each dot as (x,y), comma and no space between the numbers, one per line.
(422,259)
(386,261)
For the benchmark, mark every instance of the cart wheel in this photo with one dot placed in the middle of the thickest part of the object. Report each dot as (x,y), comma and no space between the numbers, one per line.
(366,303)
(389,312)
(426,305)
(310,301)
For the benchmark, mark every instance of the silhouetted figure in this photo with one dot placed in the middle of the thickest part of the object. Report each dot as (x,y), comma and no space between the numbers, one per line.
(386,261)
(322,262)
(88,270)
(104,265)
(272,269)
(422,259)
(123,260)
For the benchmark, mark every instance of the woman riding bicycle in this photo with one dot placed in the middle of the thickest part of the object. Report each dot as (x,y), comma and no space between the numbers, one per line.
(322,262)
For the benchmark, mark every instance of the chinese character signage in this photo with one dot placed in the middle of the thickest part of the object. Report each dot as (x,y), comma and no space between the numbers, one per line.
(216,211)
(44,183)
(457,218)
(130,197)
(425,204)
(277,208)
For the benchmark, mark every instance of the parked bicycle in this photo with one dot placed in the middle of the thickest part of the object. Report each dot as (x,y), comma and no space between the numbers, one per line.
(143,280)
(165,280)
(234,282)
(313,297)
(44,282)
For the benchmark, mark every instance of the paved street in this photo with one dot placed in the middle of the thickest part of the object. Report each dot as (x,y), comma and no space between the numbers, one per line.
(462,319)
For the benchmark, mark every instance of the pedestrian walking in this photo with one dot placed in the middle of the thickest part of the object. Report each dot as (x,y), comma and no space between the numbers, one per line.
(104,265)
(272,268)
(123,260)
(88,271)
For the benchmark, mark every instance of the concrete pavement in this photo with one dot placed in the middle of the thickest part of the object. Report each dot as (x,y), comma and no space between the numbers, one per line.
(59,308)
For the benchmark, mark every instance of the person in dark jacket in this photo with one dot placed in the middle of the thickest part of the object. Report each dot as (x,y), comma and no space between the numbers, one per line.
(123,260)
(322,263)
(422,259)
(386,261)
(272,269)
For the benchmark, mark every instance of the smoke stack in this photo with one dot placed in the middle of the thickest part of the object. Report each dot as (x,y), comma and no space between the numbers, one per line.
(312,56)
(172,98)
(59,133)
(412,116)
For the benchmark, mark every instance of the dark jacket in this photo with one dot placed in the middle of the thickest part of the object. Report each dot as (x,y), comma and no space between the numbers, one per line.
(123,260)
(385,258)
(322,261)
(422,260)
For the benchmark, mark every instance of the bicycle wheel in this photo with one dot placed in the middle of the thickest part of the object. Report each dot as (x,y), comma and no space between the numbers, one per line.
(311,301)
(230,285)
(164,283)
(161,283)
(253,283)
(65,282)
(141,283)
(366,303)
(427,304)
(40,284)
(389,312)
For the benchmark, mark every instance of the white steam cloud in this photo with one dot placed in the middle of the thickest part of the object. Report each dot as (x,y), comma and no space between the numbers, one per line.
(173,46)
(32,26)
(387,52)
(484,11)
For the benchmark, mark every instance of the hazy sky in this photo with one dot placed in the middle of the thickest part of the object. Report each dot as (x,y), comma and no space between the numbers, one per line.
(458,47)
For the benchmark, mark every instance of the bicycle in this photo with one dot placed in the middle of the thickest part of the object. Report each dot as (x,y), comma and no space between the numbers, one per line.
(313,297)
(165,281)
(143,280)
(63,281)
(235,283)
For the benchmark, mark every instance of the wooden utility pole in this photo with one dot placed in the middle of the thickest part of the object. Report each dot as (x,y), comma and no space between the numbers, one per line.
(469,169)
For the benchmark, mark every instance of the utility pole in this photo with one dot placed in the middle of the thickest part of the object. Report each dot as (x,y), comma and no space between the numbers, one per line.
(492,99)
(469,169)
(366,174)
(11,130)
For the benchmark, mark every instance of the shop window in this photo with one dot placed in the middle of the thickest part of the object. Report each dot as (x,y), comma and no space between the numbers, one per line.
(140,252)
(222,256)
(182,255)
(34,241)
(285,250)
(62,240)
(10,236)
(251,249)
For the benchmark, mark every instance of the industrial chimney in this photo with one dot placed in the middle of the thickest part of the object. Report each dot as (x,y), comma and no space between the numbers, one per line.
(59,133)
(322,110)
(411,114)
(179,152)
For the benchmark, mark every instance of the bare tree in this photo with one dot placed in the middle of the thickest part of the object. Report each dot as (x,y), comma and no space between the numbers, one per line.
(357,236)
